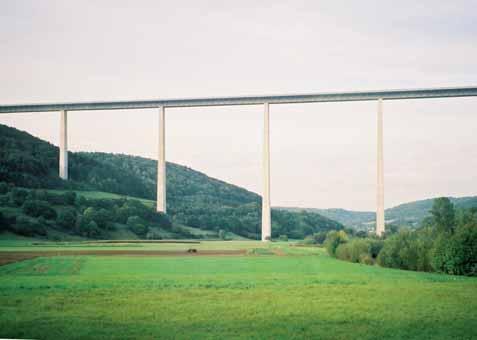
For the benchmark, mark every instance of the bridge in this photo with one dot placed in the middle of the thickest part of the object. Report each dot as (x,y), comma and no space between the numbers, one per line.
(265,101)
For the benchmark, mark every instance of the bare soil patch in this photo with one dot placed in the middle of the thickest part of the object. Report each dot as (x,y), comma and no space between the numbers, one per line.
(10,257)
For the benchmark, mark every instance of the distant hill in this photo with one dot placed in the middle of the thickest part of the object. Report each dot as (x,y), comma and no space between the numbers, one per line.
(410,214)
(194,199)
(414,212)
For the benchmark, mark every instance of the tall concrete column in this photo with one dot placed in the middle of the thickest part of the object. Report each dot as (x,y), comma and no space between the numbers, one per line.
(266,214)
(161,162)
(380,174)
(63,166)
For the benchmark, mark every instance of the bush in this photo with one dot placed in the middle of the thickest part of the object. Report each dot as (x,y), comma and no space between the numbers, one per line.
(5,200)
(316,238)
(4,188)
(70,197)
(283,238)
(153,235)
(222,234)
(18,196)
(366,259)
(102,217)
(400,251)
(38,208)
(334,239)
(445,242)
(28,227)
(160,219)
(456,254)
(137,226)
(67,218)
(353,251)
(4,223)
(375,247)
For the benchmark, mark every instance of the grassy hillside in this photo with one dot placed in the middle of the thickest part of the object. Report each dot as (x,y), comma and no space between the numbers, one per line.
(301,294)
(194,199)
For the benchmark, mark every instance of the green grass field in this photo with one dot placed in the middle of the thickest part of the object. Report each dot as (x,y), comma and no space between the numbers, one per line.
(295,293)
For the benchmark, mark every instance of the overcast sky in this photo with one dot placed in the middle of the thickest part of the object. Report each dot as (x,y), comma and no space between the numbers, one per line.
(322,155)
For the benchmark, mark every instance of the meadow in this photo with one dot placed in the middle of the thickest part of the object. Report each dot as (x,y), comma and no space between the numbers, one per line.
(273,291)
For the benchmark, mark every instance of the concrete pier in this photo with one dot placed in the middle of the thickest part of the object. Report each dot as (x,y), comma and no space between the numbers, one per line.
(266,214)
(380,174)
(63,165)
(161,162)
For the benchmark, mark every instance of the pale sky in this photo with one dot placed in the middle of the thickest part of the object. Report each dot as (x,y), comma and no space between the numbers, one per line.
(322,155)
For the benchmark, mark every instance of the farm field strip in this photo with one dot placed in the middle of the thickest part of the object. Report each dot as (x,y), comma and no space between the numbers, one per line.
(302,293)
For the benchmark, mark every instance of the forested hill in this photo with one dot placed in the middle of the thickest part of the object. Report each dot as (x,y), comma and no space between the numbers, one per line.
(193,198)
(407,214)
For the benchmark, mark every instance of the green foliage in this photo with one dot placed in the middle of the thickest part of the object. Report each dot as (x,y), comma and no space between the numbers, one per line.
(316,238)
(101,217)
(36,208)
(214,297)
(18,196)
(137,226)
(443,214)
(222,234)
(283,238)
(333,240)
(399,251)
(446,242)
(67,217)
(193,198)
(4,223)
(28,227)
(375,247)
(356,250)
(153,235)
(75,214)
(457,254)
(91,229)
(4,188)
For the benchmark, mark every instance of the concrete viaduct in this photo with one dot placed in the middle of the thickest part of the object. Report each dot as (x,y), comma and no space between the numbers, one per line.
(265,101)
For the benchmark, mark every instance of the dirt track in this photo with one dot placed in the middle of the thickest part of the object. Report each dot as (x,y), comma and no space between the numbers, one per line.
(14,256)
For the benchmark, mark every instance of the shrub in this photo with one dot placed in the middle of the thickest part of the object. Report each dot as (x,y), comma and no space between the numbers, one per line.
(161,219)
(67,218)
(18,196)
(366,259)
(28,227)
(222,234)
(4,188)
(153,235)
(102,217)
(92,229)
(137,226)
(4,223)
(375,247)
(457,254)
(56,199)
(70,197)
(400,251)
(283,238)
(334,239)
(353,251)
(5,200)
(38,208)
(81,201)
(443,214)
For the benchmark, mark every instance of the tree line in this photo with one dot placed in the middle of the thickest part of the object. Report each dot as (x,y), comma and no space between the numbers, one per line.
(445,242)
(33,212)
